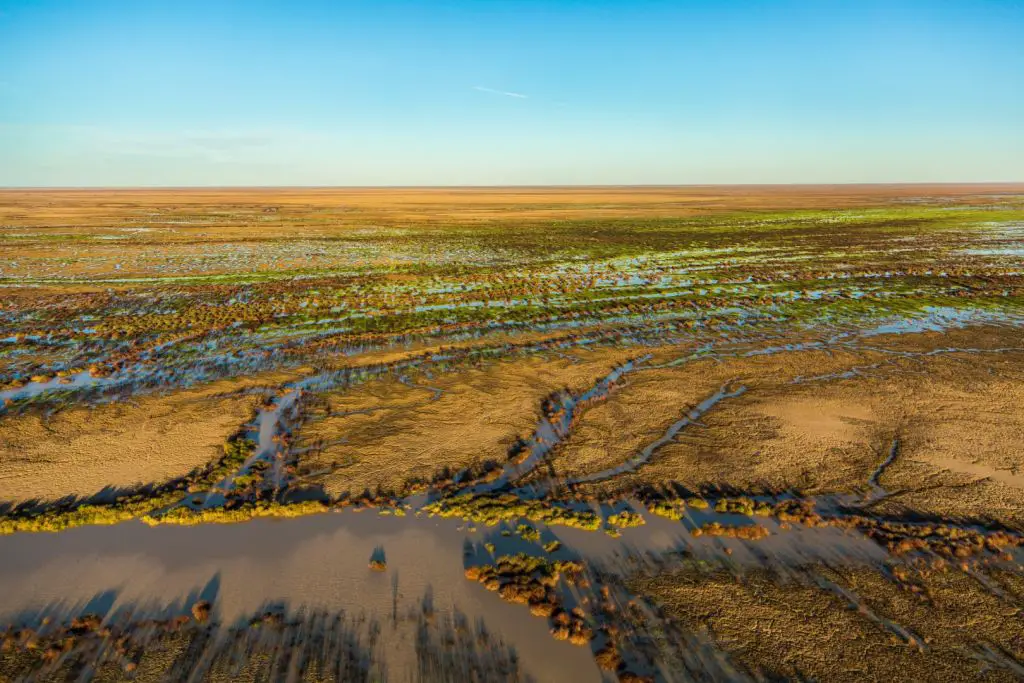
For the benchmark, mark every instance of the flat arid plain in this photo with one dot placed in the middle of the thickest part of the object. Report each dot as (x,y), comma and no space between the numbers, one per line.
(552,434)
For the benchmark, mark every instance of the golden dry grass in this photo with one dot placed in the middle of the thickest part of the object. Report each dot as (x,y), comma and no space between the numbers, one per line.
(401,433)
(961,448)
(81,451)
(776,434)
(958,419)
(818,439)
(426,204)
(800,630)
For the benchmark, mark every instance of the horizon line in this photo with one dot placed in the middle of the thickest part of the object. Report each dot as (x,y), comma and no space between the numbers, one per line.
(901,183)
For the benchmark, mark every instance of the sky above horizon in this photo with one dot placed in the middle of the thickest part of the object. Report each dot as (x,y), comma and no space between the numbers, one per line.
(518,92)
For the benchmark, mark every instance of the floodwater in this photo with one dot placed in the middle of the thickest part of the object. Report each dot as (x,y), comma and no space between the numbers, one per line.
(320,562)
(314,562)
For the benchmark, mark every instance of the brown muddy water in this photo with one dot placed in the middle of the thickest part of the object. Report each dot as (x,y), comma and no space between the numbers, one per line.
(315,562)
(320,562)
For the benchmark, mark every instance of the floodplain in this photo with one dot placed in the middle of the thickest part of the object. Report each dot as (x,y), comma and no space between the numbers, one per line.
(512,434)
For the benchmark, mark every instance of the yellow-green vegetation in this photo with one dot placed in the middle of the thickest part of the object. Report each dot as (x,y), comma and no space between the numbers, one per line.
(186,516)
(253,478)
(746,532)
(738,506)
(670,509)
(522,564)
(236,451)
(674,508)
(626,519)
(506,507)
(118,510)
(123,508)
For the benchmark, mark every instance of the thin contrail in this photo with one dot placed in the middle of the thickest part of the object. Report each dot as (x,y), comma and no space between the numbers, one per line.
(500,92)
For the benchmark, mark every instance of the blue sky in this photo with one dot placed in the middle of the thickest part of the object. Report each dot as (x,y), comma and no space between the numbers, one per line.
(492,92)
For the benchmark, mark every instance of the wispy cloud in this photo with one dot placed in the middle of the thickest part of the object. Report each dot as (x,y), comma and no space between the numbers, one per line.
(500,92)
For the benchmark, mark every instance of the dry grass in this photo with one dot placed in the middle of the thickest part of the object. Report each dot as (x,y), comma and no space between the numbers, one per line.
(817,439)
(799,630)
(653,399)
(776,434)
(80,451)
(958,419)
(402,434)
(961,451)
(634,415)
(424,204)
